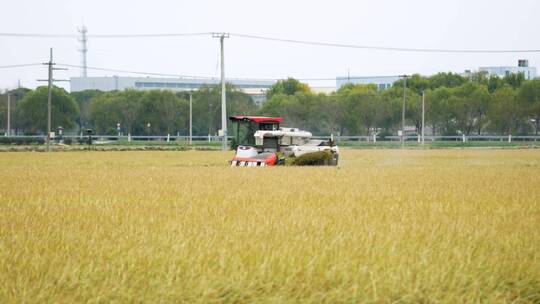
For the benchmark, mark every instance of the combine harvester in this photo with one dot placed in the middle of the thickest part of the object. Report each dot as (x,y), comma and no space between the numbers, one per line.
(259,141)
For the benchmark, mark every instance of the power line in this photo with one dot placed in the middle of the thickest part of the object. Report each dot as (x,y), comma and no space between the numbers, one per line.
(275,39)
(215,78)
(18,65)
(350,77)
(149,35)
(154,73)
(31,35)
(379,48)
(195,76)
(132,72)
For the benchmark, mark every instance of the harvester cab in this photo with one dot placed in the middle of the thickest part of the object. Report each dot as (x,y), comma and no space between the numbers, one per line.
(259,140)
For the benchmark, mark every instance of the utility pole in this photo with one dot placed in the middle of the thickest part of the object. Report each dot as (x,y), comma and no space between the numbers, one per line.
(423,114)
(222,37)
(50,81)
(83,50)
(50,64)
(223,96)
(403,113)
(8,127)
(190,118)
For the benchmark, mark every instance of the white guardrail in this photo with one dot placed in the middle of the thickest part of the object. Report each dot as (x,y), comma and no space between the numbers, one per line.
(372,138)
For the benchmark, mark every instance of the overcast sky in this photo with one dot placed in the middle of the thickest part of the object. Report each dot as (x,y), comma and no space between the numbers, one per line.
(437,24)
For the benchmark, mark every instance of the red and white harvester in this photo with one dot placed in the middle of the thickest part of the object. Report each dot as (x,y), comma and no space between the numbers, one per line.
(260,141)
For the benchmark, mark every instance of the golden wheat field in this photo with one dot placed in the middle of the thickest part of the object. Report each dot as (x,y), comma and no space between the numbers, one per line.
(387,226)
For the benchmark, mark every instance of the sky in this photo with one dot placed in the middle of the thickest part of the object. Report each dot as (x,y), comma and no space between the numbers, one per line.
(433,24)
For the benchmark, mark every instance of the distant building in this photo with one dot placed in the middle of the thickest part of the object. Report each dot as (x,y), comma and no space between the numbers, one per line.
(382,82)
(254,88)
(501,71)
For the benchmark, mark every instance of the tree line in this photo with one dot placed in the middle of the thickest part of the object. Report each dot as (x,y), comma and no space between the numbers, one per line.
(454,105)
(153,112)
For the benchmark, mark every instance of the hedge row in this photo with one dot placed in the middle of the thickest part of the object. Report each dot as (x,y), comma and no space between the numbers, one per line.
(22,140)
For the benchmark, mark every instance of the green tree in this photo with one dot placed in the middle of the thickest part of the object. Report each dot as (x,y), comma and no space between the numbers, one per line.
(514,80)
(416,83)
(438,114)
(290,86)
(166,112)
(207,107)
(480,77)
(83,100)
(529,98)
(32,110)
(413,108)
(104,113)
(469,107)
(207,110)
(3,113)
(129,106)
(16,96)
(494,83)
(239,103)
(389,110)
(504,112)
(331,109)
(419,83)
(297,110)
(449,80)
(360,106)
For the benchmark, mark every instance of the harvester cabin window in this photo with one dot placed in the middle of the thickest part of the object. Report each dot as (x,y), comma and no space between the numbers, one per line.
(267,126)
(245,133)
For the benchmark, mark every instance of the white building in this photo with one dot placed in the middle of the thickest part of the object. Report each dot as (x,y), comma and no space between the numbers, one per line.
(501,71)
(254,88)
(382,82)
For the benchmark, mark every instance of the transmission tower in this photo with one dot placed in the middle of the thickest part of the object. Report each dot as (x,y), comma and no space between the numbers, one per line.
(83,50)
